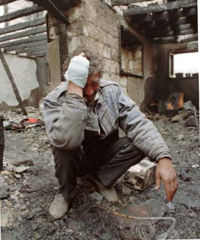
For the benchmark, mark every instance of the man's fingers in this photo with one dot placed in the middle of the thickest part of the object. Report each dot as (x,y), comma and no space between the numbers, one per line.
(157,180)
(168,191)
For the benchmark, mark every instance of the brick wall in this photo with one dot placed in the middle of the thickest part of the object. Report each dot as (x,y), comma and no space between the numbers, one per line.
(95,26)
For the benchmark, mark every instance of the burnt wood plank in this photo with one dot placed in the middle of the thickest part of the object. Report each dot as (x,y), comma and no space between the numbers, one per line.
(23,34)
(3,2)
(20,13)
(192,38)
(22,26)
(27,40)
(159,7)
(126,2)
(33,49)
(26,45)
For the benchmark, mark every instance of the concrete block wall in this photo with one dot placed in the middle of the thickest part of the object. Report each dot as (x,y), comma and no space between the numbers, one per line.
(94,26)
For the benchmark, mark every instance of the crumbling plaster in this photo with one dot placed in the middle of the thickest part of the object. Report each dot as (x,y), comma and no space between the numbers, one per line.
(24,74)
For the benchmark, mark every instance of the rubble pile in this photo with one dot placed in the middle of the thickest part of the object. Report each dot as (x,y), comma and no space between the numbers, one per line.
(28,186)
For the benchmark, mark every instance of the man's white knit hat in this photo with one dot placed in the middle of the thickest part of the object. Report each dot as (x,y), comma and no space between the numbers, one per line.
(78,71)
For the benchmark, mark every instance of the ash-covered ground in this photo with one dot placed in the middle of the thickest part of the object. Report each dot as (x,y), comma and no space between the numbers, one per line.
(28,186)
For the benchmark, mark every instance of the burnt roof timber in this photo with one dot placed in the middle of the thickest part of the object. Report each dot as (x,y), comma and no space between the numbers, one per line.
(21,26)
(136,10)
(26,33)
(42,48)
(194,37)
(3,2)
(126,2)
(27,40)
(26,45)
(20,13)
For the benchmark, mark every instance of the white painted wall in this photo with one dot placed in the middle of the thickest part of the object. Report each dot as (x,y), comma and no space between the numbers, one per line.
(24,73)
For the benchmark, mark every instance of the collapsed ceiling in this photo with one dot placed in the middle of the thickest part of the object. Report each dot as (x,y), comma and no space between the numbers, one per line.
(172,22)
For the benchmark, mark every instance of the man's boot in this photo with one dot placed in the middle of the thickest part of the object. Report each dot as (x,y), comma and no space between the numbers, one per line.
(59,206)
(109,194)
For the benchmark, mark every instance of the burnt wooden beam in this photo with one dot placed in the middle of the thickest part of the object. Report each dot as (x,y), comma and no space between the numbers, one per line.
(33,49)
(3,2)
(26,45)
(194,37)
(2,142)
(22,26)
(159,7)
(185,32)
(53,8)
(169,39)
(192,45)
(181,20)
(62,5)
(27,40)
(20,13)
(183,26)
(23,34)
(162,15)
(126,2)
(191,12)
(13,84)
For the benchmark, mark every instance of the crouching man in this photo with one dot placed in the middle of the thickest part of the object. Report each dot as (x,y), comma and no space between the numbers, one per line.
(82,116)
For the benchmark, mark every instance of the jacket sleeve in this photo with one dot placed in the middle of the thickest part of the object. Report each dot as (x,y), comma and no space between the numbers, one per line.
(65,121)
(140,130)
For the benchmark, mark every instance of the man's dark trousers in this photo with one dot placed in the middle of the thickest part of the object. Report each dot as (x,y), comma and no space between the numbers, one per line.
(105,159)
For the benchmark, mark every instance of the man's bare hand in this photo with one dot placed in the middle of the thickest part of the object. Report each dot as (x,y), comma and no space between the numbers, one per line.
(165,172)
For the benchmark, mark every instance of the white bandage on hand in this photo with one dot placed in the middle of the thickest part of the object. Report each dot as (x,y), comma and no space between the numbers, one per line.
(78,70)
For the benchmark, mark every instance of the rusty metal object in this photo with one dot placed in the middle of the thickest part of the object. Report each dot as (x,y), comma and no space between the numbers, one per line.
(2,142)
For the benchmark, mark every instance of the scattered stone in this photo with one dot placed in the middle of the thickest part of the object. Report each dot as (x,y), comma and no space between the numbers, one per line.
(180,137)
(126,190)
(190,122)
(171,206)
(7,217)
(195,166)
(97,197)
(24,163)
(141,175)
(21,169)
(4,193)
(182,115)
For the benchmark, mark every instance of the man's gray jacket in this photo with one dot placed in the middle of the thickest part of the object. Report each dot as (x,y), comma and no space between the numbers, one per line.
(67,116)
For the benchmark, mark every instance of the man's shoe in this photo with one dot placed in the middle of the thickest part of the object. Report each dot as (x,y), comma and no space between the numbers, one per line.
(59,206)
(109,194)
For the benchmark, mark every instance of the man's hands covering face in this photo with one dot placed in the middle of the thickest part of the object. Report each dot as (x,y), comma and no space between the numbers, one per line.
(165,172)
(78,70)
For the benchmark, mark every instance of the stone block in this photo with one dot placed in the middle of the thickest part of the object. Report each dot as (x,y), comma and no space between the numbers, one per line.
(141,175)
(106,52)
(115,54)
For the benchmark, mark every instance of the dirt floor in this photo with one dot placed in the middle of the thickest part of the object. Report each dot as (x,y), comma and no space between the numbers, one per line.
(28,186)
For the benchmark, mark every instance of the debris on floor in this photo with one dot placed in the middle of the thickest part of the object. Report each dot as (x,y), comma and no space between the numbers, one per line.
(28,186)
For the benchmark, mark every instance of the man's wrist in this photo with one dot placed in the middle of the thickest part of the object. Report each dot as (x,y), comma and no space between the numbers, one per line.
(164,159)
(73,88)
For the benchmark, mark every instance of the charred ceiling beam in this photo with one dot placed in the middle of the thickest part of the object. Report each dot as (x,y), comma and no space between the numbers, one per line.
(136,10)
(27,40)
(170,39)
(128,39)
(187,31)
(26,45)
(20,13)
(27,33)
(3,2)
(126,2)
(194,37)
(53,8)
(22,26)
(42,49)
